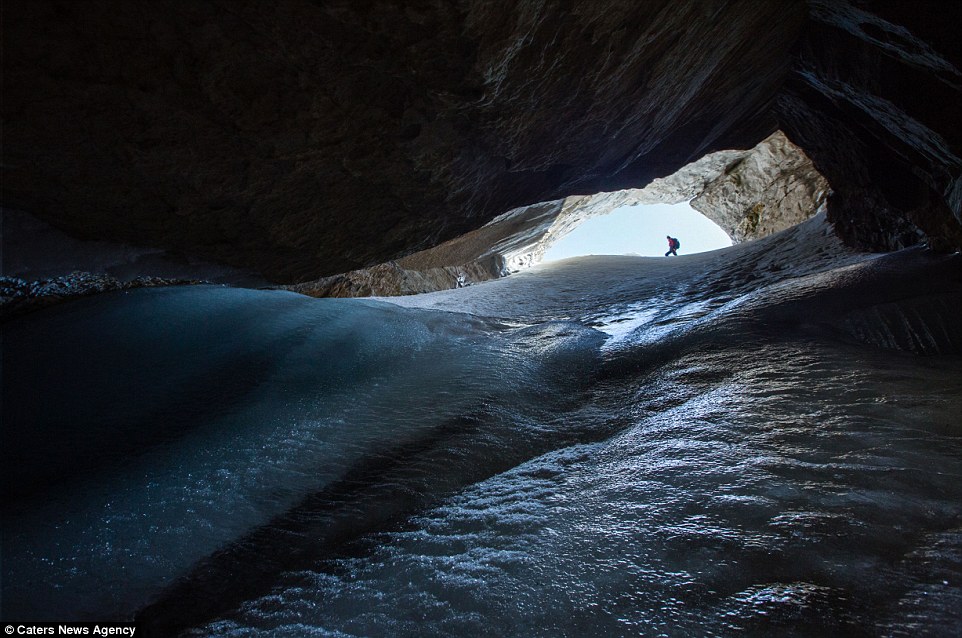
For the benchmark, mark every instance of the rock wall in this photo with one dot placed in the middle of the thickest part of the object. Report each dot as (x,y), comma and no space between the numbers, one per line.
(34,251)
(875,99)
(18,296)
(750,194)
(771,188)
(307,139)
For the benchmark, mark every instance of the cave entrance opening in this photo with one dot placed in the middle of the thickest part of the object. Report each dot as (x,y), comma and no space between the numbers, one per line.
(641,230)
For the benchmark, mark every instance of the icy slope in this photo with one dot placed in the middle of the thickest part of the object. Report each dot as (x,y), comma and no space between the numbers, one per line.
(143,431)
(744,441)
(904,300)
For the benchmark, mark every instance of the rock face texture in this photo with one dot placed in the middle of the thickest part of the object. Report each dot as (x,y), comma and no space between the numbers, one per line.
(771,188)
(750,194)
(874,99)
(18,296)
(307,139)
(34,251)
(313,138)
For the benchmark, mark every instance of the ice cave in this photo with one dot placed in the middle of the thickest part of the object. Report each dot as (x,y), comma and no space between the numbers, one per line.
(283,354)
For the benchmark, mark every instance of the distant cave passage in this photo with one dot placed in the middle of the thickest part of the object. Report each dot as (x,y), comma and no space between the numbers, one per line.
(746,195)
(641,230)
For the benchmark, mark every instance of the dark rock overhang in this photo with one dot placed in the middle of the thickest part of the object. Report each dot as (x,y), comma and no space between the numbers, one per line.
(748,194)
(875,99)
(307,139)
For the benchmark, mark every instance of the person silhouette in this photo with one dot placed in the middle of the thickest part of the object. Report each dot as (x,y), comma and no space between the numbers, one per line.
(673,245)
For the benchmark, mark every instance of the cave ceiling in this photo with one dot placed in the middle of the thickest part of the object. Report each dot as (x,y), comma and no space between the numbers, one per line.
(309,138)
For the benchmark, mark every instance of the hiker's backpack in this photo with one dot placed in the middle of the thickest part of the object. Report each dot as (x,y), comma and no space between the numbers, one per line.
(676,243)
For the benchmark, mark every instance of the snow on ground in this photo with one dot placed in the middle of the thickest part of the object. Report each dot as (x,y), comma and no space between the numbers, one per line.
(626,288)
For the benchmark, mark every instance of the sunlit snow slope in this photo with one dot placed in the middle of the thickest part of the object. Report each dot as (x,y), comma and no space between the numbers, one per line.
(762,440)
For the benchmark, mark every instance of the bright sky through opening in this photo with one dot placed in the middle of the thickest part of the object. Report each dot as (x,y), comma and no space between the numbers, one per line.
(641,230)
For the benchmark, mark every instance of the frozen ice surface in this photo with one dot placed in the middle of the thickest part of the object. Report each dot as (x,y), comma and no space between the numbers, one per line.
(763,440)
